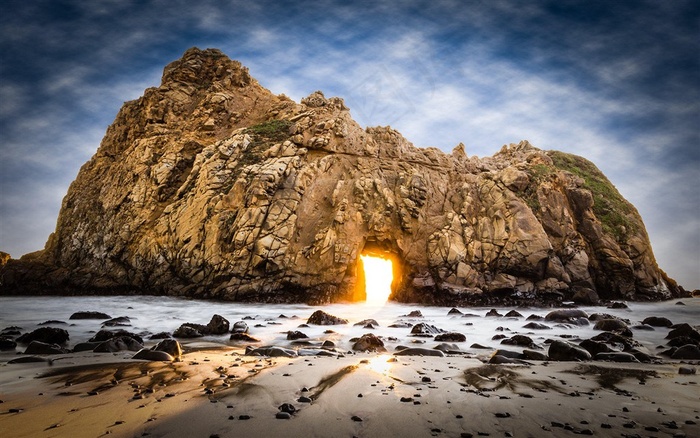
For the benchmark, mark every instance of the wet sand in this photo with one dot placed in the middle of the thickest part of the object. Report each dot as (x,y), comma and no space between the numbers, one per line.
(218,391)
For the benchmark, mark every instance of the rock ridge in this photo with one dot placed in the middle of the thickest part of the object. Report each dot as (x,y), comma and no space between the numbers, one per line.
(210,186)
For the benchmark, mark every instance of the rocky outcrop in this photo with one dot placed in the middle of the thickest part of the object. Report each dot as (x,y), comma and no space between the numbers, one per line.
(210,186)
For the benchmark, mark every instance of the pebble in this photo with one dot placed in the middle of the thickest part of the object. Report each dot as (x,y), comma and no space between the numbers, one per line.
(355,418)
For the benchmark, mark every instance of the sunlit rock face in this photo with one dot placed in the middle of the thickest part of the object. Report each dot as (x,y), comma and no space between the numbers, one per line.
(210,186)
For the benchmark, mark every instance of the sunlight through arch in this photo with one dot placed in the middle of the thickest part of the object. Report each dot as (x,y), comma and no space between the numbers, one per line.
(378,277)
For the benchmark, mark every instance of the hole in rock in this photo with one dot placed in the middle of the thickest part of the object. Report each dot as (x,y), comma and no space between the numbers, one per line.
(378,275)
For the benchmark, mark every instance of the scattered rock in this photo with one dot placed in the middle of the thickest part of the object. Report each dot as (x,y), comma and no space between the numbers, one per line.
(104,335)
(153,355)
(450,337)
(513,314)
(413,314)
(7,344)
(416,351)
(367,322)
(48,335)
(535,355)
(610,325)
(369,342)
(320,317)
(454,311)
(616,356)
(240,327)
(425,330)
(536,326)
(565,351)
(687,352)
(683,330)
(271,352)
(568,316)
(120,321)
(89,315)
(295,334)
(243,337)
(120,343)
(520,340)
(187,331)
(657,321)
(37,347)
(170,346)
(686,370)
(493,313)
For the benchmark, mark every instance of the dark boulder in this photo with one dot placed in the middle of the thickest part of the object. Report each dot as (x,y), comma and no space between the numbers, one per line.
(451,337)
(566,351)
(37,347)
(683,330)
(493,313)
(366,322)
(514,314)
(610,325)
(120,343)
(416,351)
(616,356)
(595,347)
(687,352)
(119,321)
(153,355)
(536,326)
(85,346)
(520,340)
(293,335)
(218,325)
(7,343)
(320,317)
(48,335)
(104,335)
(240,327)
(657,321)
(454,311)
(535,355)
(369,342)
(187,331)
(568,316)
(243,337)
(89,315)
(425,330)
(170,346)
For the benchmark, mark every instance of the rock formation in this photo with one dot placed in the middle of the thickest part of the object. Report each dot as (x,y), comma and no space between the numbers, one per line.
(210,186)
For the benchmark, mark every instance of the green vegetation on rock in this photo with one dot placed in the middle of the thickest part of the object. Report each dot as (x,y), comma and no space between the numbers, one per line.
(608,204)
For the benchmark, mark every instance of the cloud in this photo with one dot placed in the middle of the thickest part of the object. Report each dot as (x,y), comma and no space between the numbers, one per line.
(615,82)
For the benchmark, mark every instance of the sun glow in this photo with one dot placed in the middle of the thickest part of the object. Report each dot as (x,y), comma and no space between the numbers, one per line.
(378,277)
(382,363)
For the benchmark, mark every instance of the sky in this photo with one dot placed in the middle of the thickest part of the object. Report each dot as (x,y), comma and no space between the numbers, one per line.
(617,82)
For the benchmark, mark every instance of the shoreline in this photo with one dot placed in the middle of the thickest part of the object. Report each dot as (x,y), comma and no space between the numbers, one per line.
(221,392)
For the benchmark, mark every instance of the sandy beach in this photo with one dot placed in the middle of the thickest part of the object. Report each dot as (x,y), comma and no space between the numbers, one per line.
(221,392)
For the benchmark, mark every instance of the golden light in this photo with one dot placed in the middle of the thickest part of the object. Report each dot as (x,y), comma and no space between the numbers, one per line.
(382,363)
(378,277)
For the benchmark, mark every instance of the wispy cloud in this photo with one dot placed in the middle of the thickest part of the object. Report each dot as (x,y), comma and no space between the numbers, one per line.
(616,82)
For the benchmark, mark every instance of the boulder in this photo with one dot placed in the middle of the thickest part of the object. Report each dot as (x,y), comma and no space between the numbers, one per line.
(7,343)
(568,316)
(120,343)
(320,317)
(48,335)
(683,330)
(610,325)
(450,337)
(687,352)
(243,337)
(37,347)
(416,351)
(657,321)
(89,315)
(153,355)
(423,329)
(369,342)
(169,346)
(104,335)
(187,331)
(218,325)
(240,327)
(566,351)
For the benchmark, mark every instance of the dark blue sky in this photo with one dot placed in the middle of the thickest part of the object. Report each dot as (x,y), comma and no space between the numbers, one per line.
(617,82)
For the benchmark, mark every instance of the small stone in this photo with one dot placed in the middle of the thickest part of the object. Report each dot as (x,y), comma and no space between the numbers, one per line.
(355,418)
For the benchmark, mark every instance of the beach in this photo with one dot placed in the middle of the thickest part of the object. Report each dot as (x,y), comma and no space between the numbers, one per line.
(223,389)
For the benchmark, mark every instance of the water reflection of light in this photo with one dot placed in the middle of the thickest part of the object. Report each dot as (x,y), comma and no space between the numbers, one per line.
(378,277)
(382,363)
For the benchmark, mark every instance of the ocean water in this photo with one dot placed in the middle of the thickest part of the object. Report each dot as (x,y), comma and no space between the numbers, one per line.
(270,322)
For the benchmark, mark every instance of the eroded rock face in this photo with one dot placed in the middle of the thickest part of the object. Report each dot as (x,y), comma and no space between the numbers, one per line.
(210,186)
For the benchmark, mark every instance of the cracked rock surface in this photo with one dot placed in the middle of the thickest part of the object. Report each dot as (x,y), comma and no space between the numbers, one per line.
(210,186)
